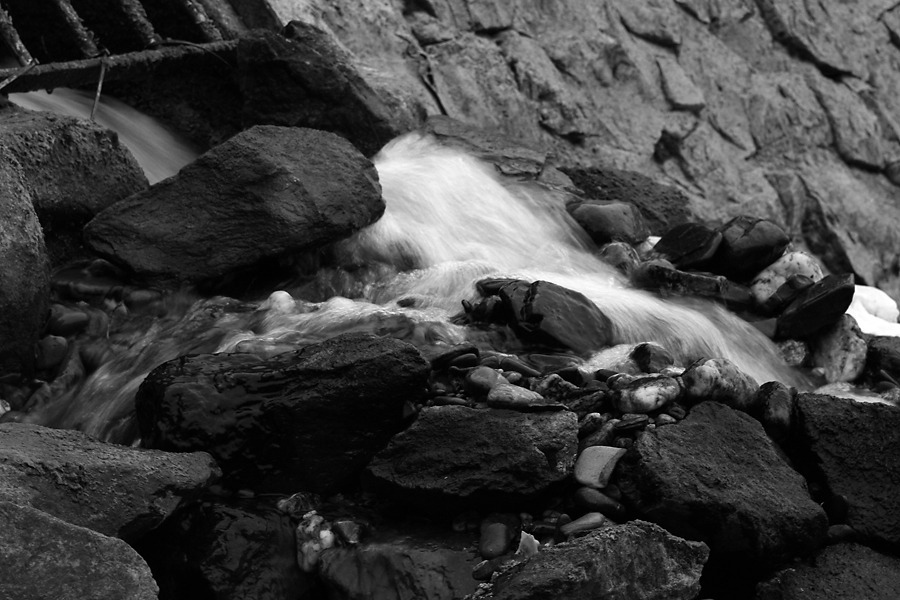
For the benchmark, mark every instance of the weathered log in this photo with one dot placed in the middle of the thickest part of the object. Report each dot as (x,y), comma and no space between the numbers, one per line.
(84,39)
(9,35)
(135,65)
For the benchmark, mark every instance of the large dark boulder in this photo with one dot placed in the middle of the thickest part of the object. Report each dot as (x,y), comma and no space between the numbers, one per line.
(841,572)
(72,168)
(849,449)
(213,550)
(265,193)
(455,457)
(45,557)
(25,277)
(115,490)
(303,78)
(716,477)
(550,315)
(748,246)
(304,420)
(622,562)
(816,307)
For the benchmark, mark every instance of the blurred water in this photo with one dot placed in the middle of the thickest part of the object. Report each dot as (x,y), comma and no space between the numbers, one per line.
(450,221)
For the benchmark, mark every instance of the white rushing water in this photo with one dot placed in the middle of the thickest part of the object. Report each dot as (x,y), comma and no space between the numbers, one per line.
(450,221)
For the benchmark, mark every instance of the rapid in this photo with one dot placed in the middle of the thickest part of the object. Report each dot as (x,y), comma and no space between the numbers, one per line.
(451,220)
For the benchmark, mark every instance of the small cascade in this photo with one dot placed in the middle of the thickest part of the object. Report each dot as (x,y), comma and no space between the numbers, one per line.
(450,221)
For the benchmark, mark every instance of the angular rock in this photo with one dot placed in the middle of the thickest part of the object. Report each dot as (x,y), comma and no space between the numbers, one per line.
(484,458)
(662,206)
(620,255)
(73,169)
(25,278)
(680,91)
(609,222)
(858,136)
(818,306)
(115,490)
(848,448)
(552,315)
(635,560)
(786,293)
(717,478)
(839,571)
(264,193)
(221,551)
(305,79)
(688,245)
(45,557)
(775,409)
(748,246)
(840,350)
(307,420)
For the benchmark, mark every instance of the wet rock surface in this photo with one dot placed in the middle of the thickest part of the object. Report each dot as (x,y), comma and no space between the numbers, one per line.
(304,420)
(46,557)
(295,188)
(115,490)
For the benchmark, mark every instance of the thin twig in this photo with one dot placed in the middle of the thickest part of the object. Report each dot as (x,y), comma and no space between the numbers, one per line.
(99,85)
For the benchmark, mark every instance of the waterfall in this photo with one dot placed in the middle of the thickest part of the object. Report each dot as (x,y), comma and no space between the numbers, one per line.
(450,221)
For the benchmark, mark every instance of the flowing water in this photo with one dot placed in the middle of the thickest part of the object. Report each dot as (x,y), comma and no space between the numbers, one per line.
(450,221)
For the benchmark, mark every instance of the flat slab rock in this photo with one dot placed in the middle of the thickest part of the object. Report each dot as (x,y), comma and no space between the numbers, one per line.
(851,448)
(634,560)
(716,477)
(307,420)
(454,457)
(115,490)
(45,557)
(841,572)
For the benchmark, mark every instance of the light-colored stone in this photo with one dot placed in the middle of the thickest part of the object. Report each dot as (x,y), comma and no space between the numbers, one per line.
(680,91)
(840,351)
(773,276)
(595,465)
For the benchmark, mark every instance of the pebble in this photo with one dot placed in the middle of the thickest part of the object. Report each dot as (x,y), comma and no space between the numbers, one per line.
(591,423)
(466,521)
(650,357)
(498,530)
(513,363)
(51,350)
(602,437)
(443,360)
(646,394)
(795,352)
(465,361)
(595,465)
(840,534)
(586,522)
(514,397)
(349,532)
(722,379)
(142,298)
(65,321)
(590,499)
(632,422)
(313,535)
(481,380)
(621,256)
(664,419)
(555,387)
(450,401)
(676,411)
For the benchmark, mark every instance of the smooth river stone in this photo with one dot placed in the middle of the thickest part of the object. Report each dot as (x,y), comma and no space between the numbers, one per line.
(595,465)
(596,501)
(481,380)
(514,397)
(720,379)
(586,522)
